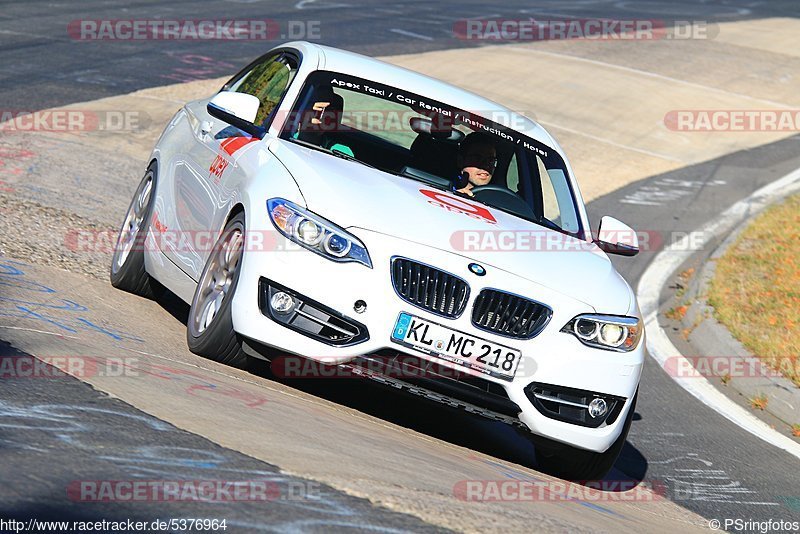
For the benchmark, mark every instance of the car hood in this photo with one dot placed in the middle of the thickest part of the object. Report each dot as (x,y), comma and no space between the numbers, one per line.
(353,195)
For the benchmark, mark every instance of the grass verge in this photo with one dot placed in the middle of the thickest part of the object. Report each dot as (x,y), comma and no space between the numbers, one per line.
(756,288)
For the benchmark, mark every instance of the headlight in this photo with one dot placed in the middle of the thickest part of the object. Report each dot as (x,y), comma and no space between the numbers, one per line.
(315,233)
(608,332)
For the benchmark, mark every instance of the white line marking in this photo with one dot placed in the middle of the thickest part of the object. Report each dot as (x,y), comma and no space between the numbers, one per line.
(444,18)
(664,12)
(658,273)
(390,11)
(302,4)
(39,331)
(610,142)
(38,36)
(412,34)
(651,75)
(549,14)
(480,17)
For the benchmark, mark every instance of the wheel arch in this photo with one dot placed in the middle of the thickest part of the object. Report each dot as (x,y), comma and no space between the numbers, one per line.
(235,210)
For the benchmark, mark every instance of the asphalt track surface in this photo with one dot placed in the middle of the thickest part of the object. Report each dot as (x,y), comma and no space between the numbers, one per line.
(43,67)
(714,468)
(52,438)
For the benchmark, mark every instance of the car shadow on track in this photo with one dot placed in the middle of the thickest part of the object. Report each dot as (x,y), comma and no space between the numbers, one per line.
(454,426)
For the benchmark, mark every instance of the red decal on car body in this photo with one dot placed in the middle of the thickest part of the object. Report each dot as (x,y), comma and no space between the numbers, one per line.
(232,144)
(451,203)
(218,166)
(160,227)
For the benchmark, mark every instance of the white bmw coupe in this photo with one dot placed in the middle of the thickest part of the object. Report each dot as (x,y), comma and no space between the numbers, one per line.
(330,206)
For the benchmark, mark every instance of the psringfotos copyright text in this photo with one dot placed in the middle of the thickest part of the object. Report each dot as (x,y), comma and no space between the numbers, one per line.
(749,525)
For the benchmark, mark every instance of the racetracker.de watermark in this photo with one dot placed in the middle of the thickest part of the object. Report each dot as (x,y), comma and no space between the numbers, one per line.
(216,491)
(733,120)
(502,241)
(398,366)
(551,241)
(25,366)
(588,29)
(731,367)
(161,238)
(72,121)
(515,490)
(192,30)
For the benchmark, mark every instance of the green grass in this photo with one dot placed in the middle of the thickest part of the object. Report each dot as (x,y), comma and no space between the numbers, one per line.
(756,288)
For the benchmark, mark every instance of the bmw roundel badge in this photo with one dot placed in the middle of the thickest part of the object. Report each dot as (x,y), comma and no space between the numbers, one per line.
(477,269)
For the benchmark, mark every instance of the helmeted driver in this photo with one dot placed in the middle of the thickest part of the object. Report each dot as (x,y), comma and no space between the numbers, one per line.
(477,160)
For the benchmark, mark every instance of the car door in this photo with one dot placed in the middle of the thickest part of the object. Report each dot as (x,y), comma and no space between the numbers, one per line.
(210,158)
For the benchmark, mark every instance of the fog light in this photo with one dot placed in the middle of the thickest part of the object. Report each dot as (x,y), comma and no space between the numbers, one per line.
(281,302)
(597,408)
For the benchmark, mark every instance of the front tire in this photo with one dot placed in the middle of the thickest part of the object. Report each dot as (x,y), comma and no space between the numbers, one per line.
(127,264)
(581,465)
(209,332)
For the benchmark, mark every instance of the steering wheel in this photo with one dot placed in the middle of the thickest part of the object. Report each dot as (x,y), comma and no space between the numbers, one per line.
(504,198)
(493,187)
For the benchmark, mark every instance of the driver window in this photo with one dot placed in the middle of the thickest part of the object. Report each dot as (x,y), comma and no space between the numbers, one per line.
(549,199)
(267,80)
(512,176)
(557,197)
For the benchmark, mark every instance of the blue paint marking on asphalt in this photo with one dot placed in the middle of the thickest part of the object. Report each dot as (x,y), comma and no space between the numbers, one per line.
(69,305)
(12,275)
(28,313)
(792,502)
(19,284)
(119,336)
(10,270)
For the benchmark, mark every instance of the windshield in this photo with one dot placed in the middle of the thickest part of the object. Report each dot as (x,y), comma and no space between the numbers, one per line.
(421,139)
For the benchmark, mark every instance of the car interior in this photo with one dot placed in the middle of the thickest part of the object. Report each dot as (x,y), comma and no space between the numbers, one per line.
(431,157)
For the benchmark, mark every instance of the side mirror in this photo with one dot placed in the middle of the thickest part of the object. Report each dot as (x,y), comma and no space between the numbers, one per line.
(616,237)
(237,109)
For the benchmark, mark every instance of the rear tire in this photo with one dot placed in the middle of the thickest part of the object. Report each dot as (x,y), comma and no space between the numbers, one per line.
(209,331)
(127,264)
(581,465)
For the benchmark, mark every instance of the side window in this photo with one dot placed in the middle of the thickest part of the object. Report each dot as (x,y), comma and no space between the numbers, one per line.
(557,197)
(549,199)
(268,80)
(512,176)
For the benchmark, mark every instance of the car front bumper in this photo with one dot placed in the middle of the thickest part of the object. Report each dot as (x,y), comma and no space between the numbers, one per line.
(552,358)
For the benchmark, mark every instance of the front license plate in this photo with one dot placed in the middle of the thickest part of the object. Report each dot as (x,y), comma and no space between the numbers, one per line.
(457,347)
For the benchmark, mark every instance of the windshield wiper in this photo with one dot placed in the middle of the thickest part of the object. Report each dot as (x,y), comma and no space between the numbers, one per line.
(348,157)
(337,153)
